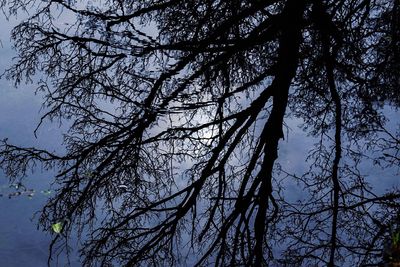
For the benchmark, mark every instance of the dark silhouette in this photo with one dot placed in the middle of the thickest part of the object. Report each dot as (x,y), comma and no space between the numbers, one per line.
(176,109)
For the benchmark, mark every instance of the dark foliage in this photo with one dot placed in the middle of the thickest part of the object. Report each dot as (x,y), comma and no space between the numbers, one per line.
(176,109)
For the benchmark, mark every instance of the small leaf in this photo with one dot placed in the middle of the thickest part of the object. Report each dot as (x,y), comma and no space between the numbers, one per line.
(88,174)
(46,192)
(57,227)
(122,186)
(396,238)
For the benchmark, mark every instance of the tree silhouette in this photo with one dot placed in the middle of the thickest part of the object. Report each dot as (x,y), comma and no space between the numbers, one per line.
(175,111)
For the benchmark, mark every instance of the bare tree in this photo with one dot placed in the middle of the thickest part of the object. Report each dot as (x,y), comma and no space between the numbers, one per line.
(176,109)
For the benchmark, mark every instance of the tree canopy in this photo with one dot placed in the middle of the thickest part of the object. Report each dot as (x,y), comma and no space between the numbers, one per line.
(175,110)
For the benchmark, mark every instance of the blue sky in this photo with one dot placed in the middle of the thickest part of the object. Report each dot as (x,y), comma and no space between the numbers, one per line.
(20,243)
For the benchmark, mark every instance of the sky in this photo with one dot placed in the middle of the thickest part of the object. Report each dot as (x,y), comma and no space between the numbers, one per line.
(21,244)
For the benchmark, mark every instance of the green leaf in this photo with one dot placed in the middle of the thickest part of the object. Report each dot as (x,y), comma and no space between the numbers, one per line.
(57,227)
(46,192)
(396,238)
